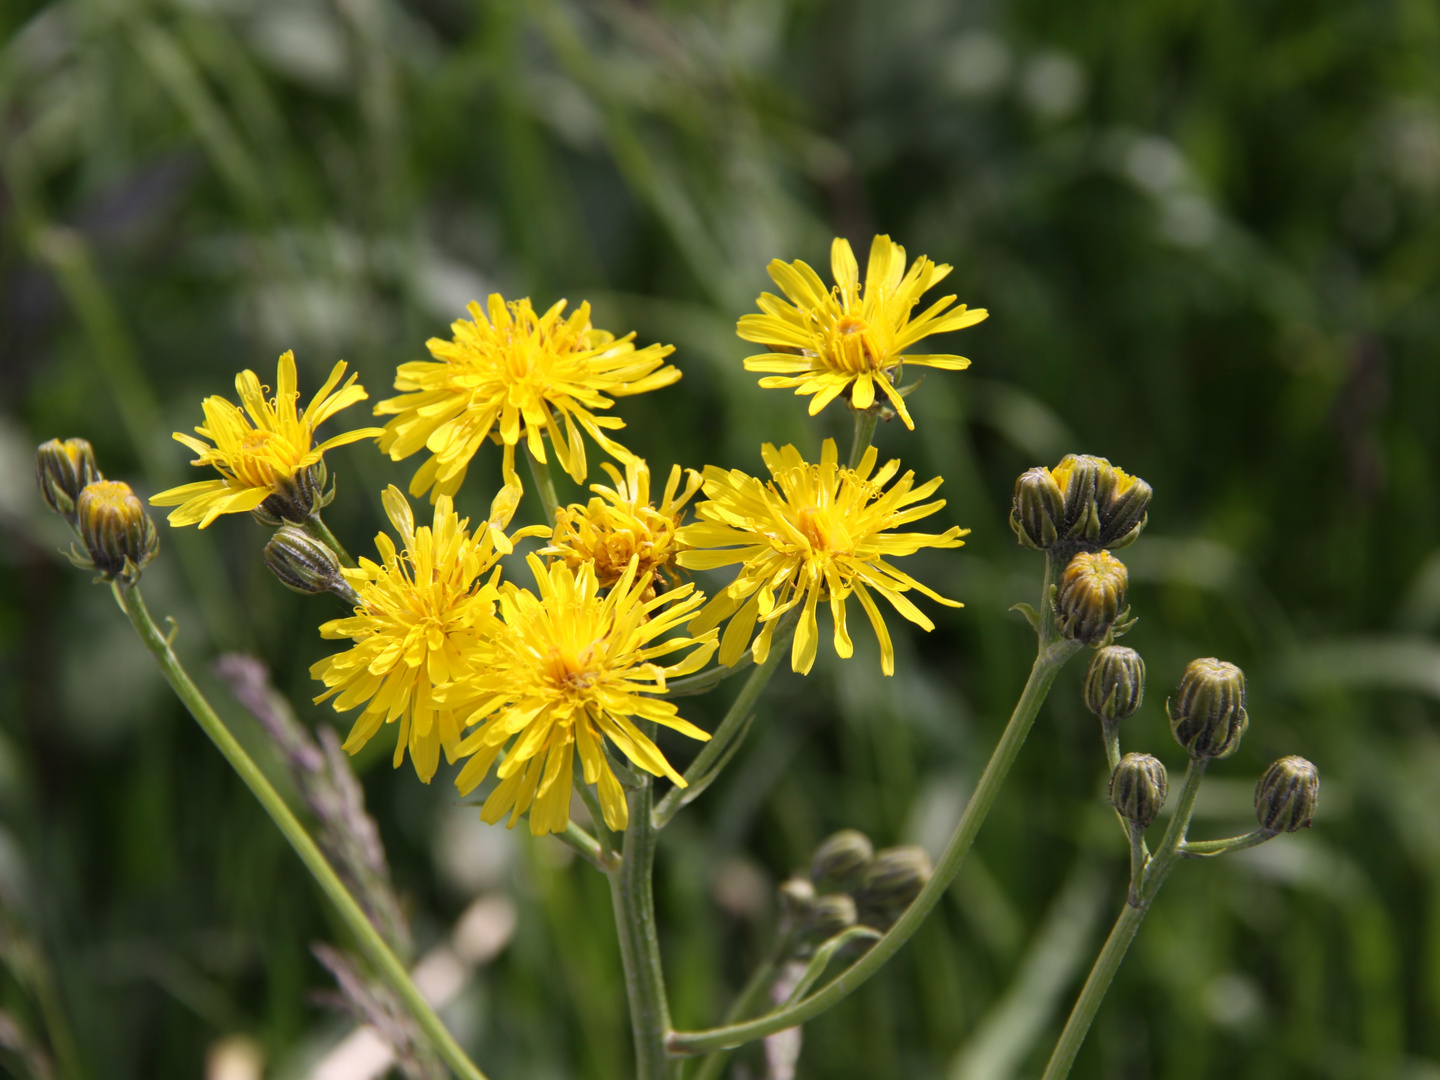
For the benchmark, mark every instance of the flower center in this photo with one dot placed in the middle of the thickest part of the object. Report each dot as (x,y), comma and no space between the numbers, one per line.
(825,531)
(567,672)
(264,457)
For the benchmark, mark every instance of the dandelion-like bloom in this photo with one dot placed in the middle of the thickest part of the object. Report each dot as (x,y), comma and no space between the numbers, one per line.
(850,339)
(423,610)
(816,532)
(516,375)
(568,669)
(263,451)
(623,524)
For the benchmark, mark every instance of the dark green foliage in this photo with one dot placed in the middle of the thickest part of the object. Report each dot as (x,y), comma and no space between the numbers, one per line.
(1207,237)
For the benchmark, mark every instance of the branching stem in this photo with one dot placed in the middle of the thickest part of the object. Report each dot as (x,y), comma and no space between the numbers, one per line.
(1054,650)
(387,966)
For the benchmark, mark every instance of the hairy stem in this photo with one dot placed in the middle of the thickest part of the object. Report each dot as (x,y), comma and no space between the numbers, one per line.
(735,719)
(1137,904)
(387,966)
(632,892)
(1053,652)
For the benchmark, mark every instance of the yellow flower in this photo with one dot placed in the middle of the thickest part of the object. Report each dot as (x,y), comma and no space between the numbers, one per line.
(423,610)
(266,453)
(515,375)
(828,342)
(568,670)
(623,524)
(815,533)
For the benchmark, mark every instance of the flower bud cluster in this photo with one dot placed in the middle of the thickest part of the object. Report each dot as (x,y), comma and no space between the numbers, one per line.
(1083,504)
(848,883)
(117,536)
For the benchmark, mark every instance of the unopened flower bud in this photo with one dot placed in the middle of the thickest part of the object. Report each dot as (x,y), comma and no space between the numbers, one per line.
(891,882)
(1286,795)
(1207,713)
(1138,789)
(63,469)
(304,564)
(1038,512)
(797,897)
(1078,476)
(839,861)
(1115,683)
(1091,596)
(293,499)
(118,535)
(1122,503)
(829,916)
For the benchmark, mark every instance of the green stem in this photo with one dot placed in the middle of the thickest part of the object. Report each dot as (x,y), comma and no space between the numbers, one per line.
(864,434)
(1142,895)
(1053,652)
(729,727)
(604,838)
(1098,982)
(317,528)
(1110,733)
(1138,859)
(544,485)
(633,896)
(588,848)
(1205,848)
(372,944)
(1169,850)
(703,683)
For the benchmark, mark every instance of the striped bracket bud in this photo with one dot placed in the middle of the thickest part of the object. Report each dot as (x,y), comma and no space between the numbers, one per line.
(1286,795)
(1139,787)
(1207,714)
(1091,596)
(1115,683)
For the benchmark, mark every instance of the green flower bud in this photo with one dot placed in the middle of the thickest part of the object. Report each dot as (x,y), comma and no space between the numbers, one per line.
(1122,503)
(306,565)
(296,498)
(1139,787)
(891,882)
(1286,795)
(1115,683)
(829,916)
(1038,511)
(1091,596)
(797,898)
(119,537)
(63,469)
(839,861)
(1207,713)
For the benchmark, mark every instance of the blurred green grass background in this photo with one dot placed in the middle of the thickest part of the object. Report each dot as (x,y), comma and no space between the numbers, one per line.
(1207,237)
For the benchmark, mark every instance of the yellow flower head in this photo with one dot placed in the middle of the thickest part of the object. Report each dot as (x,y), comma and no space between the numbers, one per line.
(264,450)
(423,610)
(816,532)
(568,670)
(850,339)
(515,375)
(623,524)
